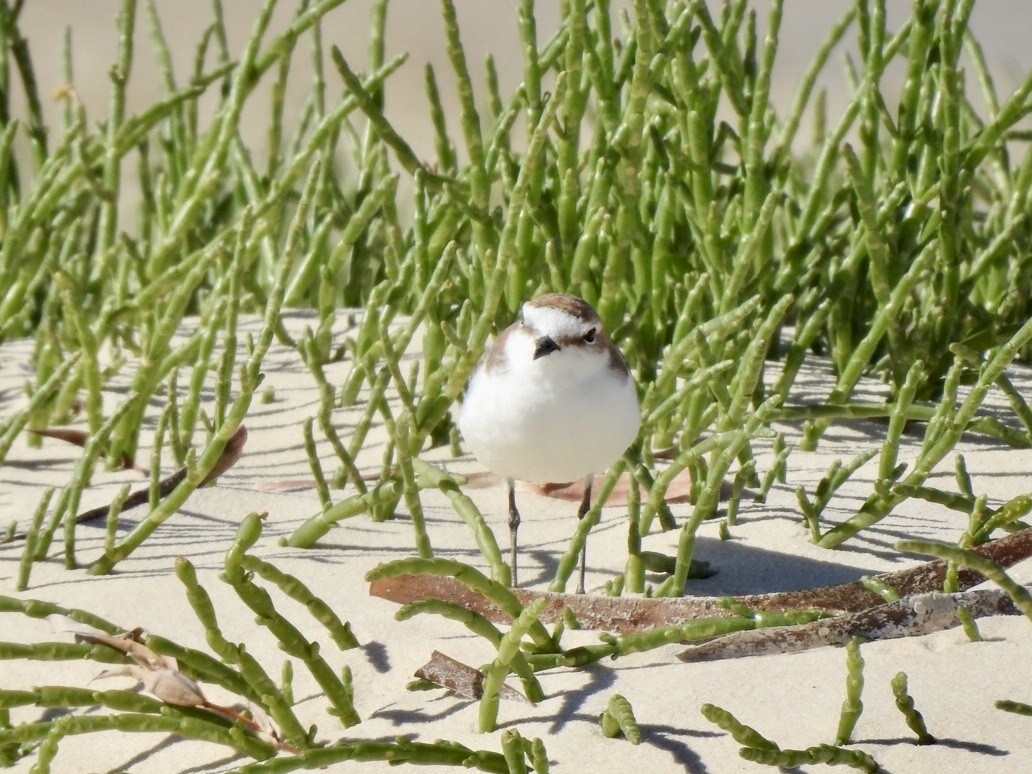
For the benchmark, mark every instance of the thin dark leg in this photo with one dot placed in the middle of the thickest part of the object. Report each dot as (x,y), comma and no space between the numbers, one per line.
(585,506)
(514,525)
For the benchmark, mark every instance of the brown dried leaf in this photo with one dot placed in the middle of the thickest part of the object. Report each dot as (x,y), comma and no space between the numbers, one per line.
(464,680)
(160,676)
(80,438)
(230,455)
(127,642)
(66,434)
(677,492)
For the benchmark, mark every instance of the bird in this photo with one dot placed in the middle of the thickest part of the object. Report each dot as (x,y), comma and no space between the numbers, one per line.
(550,401)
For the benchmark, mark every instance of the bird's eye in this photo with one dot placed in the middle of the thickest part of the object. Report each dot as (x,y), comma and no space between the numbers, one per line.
(589,337)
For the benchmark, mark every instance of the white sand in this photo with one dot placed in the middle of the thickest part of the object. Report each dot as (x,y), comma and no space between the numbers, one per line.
(793,699)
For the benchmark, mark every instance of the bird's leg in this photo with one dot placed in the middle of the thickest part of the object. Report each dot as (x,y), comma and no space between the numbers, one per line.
(514,525)
(585,506)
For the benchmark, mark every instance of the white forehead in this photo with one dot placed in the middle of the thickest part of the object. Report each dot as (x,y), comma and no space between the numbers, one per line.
(554,321)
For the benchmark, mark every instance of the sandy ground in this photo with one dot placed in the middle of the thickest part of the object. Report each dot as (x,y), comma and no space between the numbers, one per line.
(793,699)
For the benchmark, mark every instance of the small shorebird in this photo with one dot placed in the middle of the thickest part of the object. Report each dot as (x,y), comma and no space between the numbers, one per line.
(552,400)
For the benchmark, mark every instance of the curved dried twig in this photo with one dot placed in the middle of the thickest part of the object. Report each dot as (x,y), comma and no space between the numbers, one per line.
(630,614)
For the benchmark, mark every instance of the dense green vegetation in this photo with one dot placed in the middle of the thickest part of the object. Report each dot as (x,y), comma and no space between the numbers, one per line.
(639,164)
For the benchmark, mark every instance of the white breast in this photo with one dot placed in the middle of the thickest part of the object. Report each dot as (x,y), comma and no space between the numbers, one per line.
(555,419)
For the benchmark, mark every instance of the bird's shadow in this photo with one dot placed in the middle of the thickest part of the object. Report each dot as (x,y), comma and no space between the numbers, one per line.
(738,568)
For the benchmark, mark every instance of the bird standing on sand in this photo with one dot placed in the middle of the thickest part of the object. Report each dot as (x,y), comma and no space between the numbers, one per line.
(552,400)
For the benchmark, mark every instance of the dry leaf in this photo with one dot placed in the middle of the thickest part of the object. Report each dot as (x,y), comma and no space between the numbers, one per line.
(169,685)
(127,642)
(230,455)
(80,438)
(677,492)
(160,676)
(464,680)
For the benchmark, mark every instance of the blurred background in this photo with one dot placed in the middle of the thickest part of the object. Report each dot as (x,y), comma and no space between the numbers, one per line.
(1003,27)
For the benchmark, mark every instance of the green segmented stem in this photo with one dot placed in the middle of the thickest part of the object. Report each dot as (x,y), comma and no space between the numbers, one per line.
(508,650)
(905,704)
(470,577)
(741,733)
(261,688)
(618,718)
(852,706)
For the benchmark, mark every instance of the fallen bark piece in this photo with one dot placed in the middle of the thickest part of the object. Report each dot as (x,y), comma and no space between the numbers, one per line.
(464,680)
(910,617)
(631,614)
